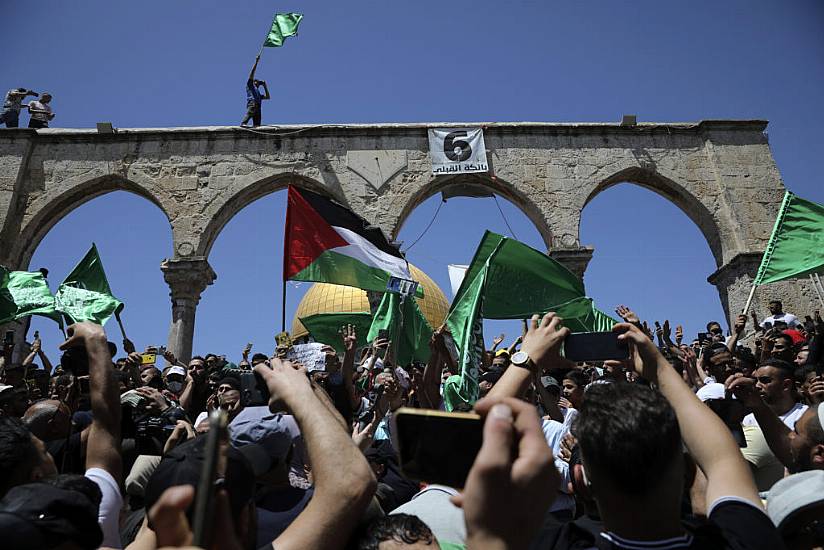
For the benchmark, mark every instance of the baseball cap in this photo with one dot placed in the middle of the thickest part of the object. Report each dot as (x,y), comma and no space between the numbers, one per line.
(183,464)
(501,352)
(549,381)
(38,515)
(176,370)
(794,495)
(795,335)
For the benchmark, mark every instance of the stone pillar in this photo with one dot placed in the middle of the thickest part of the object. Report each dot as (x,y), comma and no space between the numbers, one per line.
(187,279)
(734,281)
(574,259)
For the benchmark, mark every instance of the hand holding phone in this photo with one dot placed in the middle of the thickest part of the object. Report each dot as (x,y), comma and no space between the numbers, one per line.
(595,346)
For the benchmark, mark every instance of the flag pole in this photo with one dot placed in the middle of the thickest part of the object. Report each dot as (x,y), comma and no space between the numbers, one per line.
(283,307)
(815,286)
(120,324)
(749,300)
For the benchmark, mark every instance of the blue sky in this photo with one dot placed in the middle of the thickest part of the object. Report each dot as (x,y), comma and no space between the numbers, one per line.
(184,63)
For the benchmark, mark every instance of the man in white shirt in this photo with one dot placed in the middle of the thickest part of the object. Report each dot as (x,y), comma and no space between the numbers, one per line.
(779,316)
(41,112)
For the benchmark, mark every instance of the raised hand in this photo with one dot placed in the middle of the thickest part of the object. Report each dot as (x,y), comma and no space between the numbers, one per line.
(627,314)
(363,438)
(543,341)
(128,346)
(497,340)
(816,391)
(246,351)
(740,324)
(81,333)
(743,388)
(667,329)
(285,383)
(755,320)
(350,338)
(679,334)
(170,357)
(513,480)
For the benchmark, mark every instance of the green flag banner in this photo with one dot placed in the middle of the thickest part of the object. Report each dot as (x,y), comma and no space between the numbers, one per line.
(796,246)
(32,295)
(509,280)
(407,328)
(8,309)
(325,327)
(284,25)
(85,294)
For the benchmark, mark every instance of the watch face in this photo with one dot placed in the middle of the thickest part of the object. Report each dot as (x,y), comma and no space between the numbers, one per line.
(519,358)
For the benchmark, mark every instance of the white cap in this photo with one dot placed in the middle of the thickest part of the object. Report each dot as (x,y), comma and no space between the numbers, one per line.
(795,494)
(714,390)
(176,370)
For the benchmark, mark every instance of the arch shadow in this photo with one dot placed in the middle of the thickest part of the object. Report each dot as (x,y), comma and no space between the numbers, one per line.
(246,195)
(490,183)
(58,207)
(688,203)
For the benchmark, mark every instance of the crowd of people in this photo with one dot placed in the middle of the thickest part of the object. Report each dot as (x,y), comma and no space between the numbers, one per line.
(39,109)
(703,443)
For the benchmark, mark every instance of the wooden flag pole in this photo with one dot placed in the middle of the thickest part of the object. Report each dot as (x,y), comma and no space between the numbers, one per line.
(120,324)
(749,300)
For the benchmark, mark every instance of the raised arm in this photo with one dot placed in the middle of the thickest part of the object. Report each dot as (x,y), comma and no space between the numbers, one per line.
(737,331)
(254,68)
(265,90)
(103,446)
(705,435)
(344,482)
(432,371)
(350,344)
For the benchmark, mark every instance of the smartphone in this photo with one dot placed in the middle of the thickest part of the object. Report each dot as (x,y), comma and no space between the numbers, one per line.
(204,499)
(253,389)
(595,346)
(148,359)
(436,446)
(702,337)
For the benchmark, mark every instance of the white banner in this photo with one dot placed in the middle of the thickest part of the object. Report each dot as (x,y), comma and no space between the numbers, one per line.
(456,276)
(457,151)
(309,355)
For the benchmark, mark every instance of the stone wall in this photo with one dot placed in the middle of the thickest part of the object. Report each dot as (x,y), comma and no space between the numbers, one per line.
(720,173)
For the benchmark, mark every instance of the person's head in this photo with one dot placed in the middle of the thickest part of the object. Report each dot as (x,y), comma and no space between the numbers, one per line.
(228,393)
(14,374)
(182,466)
(807,440)
(501,359)
(630,443)
(719,361)
(45,97)
(23,457)
(397,532)
(197,368)
(796,507)
(804,376)
(48,420)
(775,383)
(573,385)
(175,379)
(715,331)
(783,347)
(391,388)
(150,376)
(745,362)
(802,355)
(14,400)
(776,307)
(259,358)
(120,364)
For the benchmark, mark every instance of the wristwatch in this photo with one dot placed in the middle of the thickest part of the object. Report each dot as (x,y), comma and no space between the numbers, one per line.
(521,359)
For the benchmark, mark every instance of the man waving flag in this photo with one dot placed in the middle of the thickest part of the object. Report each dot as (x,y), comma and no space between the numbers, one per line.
(329,243)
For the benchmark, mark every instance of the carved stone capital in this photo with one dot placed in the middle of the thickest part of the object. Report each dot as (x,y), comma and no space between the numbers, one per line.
(574,259)
(187,278)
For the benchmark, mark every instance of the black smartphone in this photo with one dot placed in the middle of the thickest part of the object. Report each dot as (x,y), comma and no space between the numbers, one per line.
(436,446)
(594,346)
(702,337)
(253,389)
(203,518)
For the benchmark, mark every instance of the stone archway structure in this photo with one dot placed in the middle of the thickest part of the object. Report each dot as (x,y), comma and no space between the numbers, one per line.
(720,173)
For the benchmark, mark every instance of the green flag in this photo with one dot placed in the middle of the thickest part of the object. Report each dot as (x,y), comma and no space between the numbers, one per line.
(325,327)
(796,246)
(85,294)
(408,329)
(8,309)
(32,296)
(284,24)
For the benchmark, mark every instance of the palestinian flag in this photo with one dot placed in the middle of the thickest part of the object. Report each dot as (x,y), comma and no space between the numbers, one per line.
(328,243)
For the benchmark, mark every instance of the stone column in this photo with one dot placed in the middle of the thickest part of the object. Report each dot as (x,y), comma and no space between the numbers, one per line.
(187,279)
(734,281)
(574,259)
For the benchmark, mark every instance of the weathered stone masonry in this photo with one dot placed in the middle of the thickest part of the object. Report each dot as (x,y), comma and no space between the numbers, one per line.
(720,173)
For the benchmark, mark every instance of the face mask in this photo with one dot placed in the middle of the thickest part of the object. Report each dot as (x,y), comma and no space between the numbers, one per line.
(174,387)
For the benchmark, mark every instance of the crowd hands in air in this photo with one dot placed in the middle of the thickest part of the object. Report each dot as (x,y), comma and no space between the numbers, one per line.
(679,446)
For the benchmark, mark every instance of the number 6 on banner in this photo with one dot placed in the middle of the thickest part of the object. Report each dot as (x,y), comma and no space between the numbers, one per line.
(457,151)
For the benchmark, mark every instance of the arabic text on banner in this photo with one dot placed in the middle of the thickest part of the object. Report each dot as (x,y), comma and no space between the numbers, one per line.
(457,151)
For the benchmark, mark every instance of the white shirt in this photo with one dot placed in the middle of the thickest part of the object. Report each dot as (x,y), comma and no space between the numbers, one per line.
(788,318)
(554,432)
(789,418)
(39,106)
(108,516)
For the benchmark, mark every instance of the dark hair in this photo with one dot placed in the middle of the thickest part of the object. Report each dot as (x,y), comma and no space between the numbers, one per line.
(578,377)
(711,323)
(786,337)
(802,372)
(403,528)
(18,455)
(78,483)
(259,357)
(776,302)
(629,434)
(199,358)
(787,369)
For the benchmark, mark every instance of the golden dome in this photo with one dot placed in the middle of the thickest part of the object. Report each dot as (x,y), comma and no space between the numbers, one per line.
(328,298)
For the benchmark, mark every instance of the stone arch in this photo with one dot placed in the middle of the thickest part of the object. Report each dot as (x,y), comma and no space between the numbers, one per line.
(50,209)
(525,202)
(244,192)
(677,194)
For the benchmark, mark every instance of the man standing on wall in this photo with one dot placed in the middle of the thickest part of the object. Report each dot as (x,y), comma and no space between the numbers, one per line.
(12,104)
(254,97)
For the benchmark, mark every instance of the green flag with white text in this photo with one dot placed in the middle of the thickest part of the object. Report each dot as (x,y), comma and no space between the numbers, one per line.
(796,246)
(8,309)
(407,328)
(284,25)
(32,295)
(85,294)
(325,327)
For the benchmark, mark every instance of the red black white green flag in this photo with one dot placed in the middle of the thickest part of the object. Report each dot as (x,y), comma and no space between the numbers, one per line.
(329,243)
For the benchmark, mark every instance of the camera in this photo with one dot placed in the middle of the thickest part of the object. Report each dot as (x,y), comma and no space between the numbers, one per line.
(75,361)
